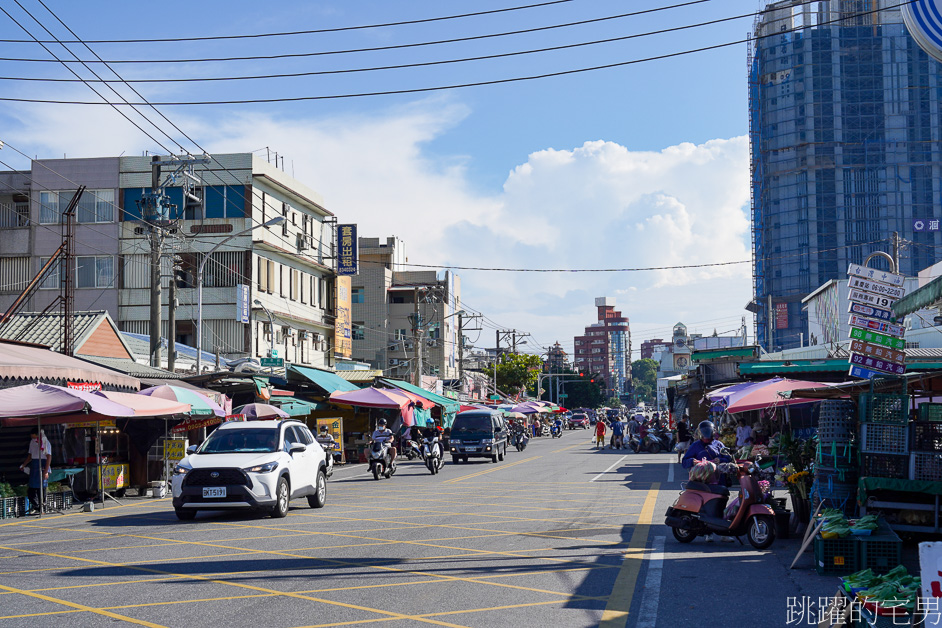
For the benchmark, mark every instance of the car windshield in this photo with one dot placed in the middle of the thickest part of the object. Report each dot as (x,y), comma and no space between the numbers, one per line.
(244,440)
(479,423)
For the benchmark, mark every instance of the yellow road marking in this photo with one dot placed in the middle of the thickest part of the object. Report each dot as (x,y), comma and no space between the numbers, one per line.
(81,607)
(491,470)
(619,602)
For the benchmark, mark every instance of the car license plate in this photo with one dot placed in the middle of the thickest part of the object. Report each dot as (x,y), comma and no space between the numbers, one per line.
(470,448)
(214,491)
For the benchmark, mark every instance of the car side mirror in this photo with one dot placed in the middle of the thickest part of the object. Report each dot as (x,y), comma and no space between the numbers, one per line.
(298,447)
(191,450)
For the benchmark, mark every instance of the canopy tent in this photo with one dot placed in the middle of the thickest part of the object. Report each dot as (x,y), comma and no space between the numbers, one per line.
(467,407)
(449,407)
(146,406)
(769,394)
(200,404)
(525,408)
(325,380)
(383,398)
(261,411)
(21,405)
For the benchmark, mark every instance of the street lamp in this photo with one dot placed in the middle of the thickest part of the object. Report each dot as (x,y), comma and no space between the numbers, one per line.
(199,286)
(271,322)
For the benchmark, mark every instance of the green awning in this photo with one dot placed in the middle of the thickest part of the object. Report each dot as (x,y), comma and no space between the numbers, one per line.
(773,367)
(325,380)
(449,406)
(918,299)
(300,407)
(731,352)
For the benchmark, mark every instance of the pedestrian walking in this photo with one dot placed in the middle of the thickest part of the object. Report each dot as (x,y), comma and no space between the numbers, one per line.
(683,439)
(600,435)
(38,461)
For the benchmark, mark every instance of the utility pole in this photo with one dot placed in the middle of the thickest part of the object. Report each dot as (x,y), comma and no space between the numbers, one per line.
(461,330)
(768,324)
(417,340)
(896,247)
(172,316)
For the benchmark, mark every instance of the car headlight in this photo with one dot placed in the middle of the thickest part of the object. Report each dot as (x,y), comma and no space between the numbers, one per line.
(182,468)
(455,441)
(268,467)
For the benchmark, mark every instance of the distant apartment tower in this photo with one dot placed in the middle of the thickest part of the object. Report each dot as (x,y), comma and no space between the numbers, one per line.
(648,347)
(605,349)
(844,134)
(385,301)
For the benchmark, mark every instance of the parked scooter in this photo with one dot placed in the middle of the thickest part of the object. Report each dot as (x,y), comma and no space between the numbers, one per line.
(381,462)
(544,431)
(699,510)
(634,443)
(658,440)
(432,453)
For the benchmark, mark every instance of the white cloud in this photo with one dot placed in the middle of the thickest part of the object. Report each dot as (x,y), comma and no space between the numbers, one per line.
(599,205)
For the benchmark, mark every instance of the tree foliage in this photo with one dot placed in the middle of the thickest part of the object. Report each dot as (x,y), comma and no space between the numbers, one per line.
(582,391)
(644,380)
(516,372)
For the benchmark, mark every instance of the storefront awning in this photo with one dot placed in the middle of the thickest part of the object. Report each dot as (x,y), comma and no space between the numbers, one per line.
(325,380)
(775,367)
(928,295)
(450,406)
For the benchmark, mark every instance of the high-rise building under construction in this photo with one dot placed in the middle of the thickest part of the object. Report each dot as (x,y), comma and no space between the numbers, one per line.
(845,146)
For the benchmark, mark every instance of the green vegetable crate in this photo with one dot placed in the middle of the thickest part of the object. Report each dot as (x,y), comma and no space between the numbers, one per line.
(879,408)
(835,557)
(930,412)
(881,551)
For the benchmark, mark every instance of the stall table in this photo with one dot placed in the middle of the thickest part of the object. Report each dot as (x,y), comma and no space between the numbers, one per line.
(866,487)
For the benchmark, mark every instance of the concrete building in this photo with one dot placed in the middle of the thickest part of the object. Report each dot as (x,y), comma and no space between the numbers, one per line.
(605,349)
(650,347)
(288,268)
(556,358)
(386,302)
(844,130)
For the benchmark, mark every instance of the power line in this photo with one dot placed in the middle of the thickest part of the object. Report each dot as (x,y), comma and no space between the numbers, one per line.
(417,90)
(437,42)
(302,32)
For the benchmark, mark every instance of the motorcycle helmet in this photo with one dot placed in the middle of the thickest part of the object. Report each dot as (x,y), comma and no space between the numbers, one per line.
(706,429)
(323,429)
(382,423)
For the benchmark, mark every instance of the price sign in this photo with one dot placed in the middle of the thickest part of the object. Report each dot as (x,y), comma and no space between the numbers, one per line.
(876,364)
(174,449)
(894,292)
(875,275)
(872,325)
(871,312)
(876,338)
(868,298)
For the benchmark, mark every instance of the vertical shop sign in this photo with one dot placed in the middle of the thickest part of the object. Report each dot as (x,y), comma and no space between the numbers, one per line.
(781,316)
(343,338)
(346,249)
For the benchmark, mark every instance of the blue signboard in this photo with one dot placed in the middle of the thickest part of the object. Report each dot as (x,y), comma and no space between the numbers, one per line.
(872,312)
(926,224)
(346,249)
(242,303)
(864,373)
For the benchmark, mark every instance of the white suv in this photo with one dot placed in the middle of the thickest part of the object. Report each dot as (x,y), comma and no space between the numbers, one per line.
(259,465)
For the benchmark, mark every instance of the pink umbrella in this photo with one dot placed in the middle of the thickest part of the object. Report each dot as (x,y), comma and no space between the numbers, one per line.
(372,398)
(261,411)
(766,395)
(145,406)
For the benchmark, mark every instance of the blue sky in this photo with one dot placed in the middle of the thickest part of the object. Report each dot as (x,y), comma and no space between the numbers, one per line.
(641,165)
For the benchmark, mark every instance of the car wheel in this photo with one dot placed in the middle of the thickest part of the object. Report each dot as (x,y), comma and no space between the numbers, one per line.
(185,515)
(494,458)
(319,498)
(455,459)
(281,499)
(501,453)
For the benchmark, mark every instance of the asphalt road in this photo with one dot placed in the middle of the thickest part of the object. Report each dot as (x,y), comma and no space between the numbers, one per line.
(557,535)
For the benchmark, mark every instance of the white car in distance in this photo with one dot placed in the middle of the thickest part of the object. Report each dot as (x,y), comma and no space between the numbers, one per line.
(258,465)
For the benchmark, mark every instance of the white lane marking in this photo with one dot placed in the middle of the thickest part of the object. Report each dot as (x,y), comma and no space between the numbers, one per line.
(647,613)
(608,469)
(670,472)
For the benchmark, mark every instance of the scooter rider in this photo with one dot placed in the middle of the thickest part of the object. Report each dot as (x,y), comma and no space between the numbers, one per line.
(706,448)
(383,433)
(326,439)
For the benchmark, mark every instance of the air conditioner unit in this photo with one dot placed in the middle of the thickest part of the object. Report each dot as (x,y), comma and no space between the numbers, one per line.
(394,362)
(303,242)
(393,346)
(409,345)
(316,336)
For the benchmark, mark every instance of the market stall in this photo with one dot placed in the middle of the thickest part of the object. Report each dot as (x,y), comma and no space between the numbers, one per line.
(393,405)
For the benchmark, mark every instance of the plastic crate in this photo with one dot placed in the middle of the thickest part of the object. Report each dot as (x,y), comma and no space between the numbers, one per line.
(835,421)
(881,551)
(828,476)
(878,408)
(884,439)
(884,466)
(926,437)
(930,412)
(835,556)
(838,456)
(925,466)
(7,507)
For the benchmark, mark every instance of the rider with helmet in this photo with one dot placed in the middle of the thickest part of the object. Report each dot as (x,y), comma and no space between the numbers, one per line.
(706,448)
(383,433)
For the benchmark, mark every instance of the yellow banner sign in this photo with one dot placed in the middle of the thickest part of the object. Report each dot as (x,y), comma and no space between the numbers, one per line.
(174,449)
(115,476)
